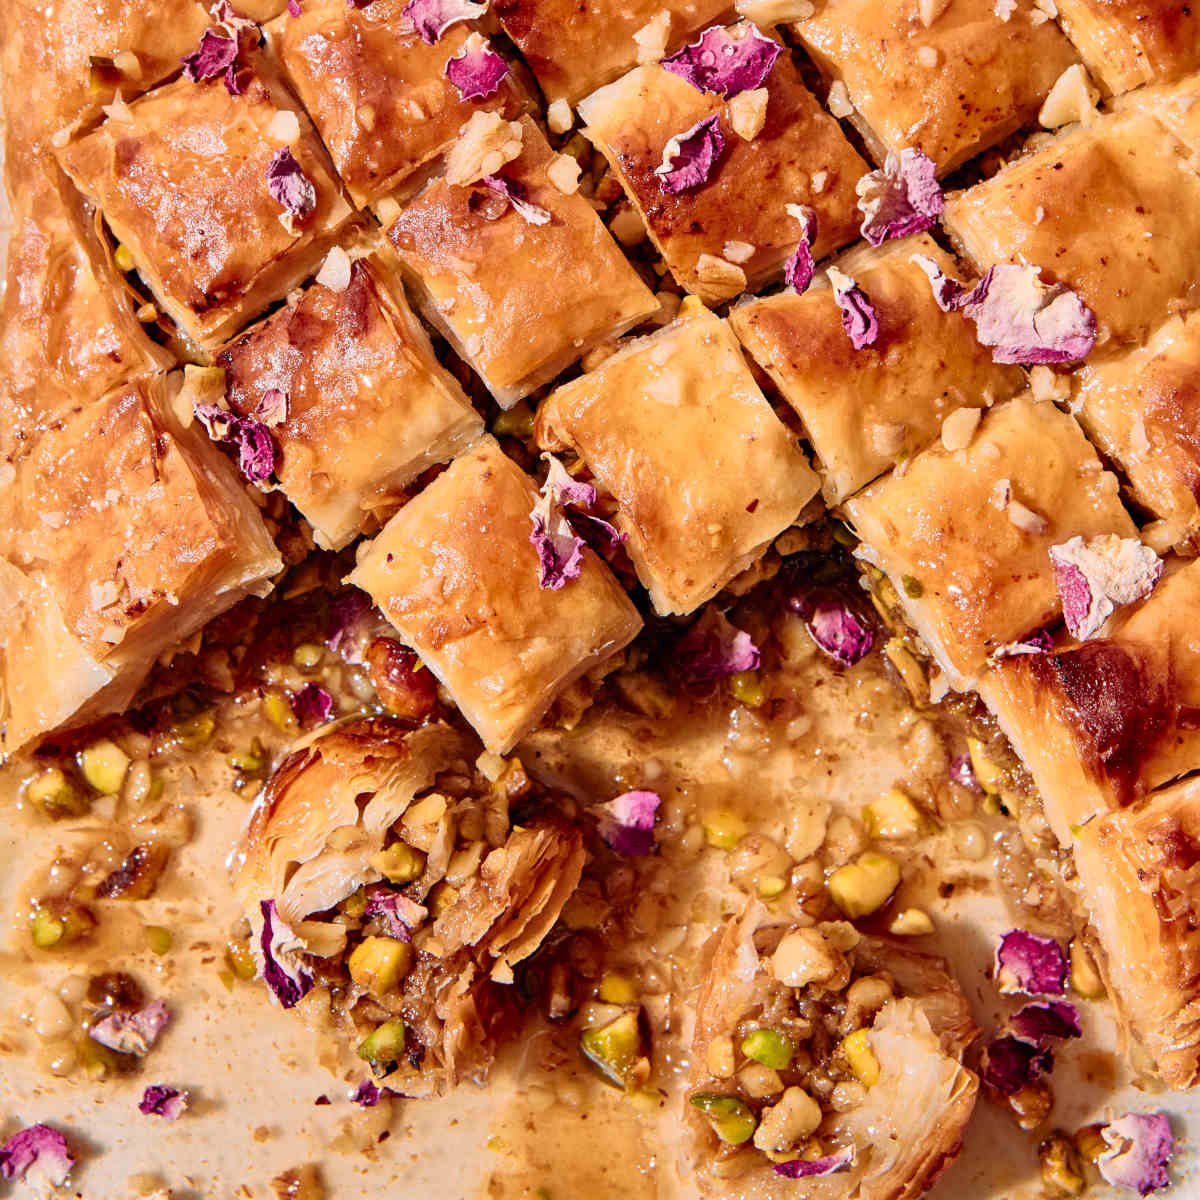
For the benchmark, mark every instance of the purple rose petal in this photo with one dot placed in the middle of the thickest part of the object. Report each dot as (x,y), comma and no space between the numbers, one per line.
(257,455)
(131,1032)
(290,188)
(948,293)
(627,823)
(1029,964)
(799,268)
(272,408)
(858,313)
(1010,1064)
(367,1094)
(158,1100)
(1043,1021)
(963,773)
(431,18)
(1097,575)
(560,549)
(689,158)
(835,627)
(225,14)
(312,704)
(399,914)
(293,7)
(714,648)
(514,192)
(38,1155)
(1040,641)
(725,63)
(478,71)
(288,984)
(216,54)
(901,199)
(1141,1147)
(812,1168)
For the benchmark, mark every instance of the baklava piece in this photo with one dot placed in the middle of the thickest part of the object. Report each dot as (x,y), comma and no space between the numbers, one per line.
(457,572)
(367,406)
(1142,410)
(122,534)
(964,535)
(574,46)
(1111,211)
(387,883)
(825,1063)
(223,202)
(378,93)
(704,474)
(1138,877)
(866,410)
(1102,723)
(520,276)
(1128,43)
(949,78)
(730,230)
(1176,108)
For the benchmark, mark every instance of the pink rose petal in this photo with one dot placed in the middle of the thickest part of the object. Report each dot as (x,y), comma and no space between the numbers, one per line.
(158,1100)
(901,199)
(714,648)
(289,982)
(627,823)
(431,18)
(478,71)
(131,1032)
(799,268)
(1141,1147)
(1030,964)
(289,186)
(814,1168)
(726,62)
(690,158)
(858,313)
(38,1155)
(1096,576)
(514,192)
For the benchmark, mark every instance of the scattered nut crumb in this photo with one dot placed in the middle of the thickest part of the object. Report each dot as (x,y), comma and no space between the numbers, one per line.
(563,172)
(959,428)
(1025,518)
(652,38)
(839,99)
(1001,493)
(719,276)
(1072,98)
(559,117)
(927,56)
(485,143)
(738,252)
(284,127)
(748,113)
(627,226)
(335,270)
(819,180)
(1047,384)
(1005,8)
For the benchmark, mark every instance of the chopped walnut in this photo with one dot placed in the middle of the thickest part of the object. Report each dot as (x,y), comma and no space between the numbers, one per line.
(1047,384)
(738,252)
(748,113)
(724,278)
(774,12)
(959,428)
(563,172)
(1025,518)
(652,38)
(1072,98)
(627,226)
(839,99)
(559,117)
(485,143)
(806,956)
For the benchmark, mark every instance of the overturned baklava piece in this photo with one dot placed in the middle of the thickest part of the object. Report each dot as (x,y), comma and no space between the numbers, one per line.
(390,885)
(704,474)
(509,262)
(964,536)
(122,534)
(1111,210)
(712,158)
(948,78)
(221,198)
(866,410)
(825,1063)
(357,404)
(483,577)
(384,98)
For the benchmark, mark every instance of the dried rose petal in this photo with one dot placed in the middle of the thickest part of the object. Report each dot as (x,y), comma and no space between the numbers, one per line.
(963,773)
(858,313)
(799,268)
(256,451)
(478,71)
(272,408)
(901,199)
(1141,1147)
(431,18)
(812,1168)
(1027,321)
(1010,1064)
(293,7)
(713,648)
(566,489)
(312,704)
(689,158)
(399,914)
(835,627)
(131,1032)
(367,1094)
(1040,641)
(38,1155)
(1042,1021)
(514,192)
(354,622)
(948,293)
(216,54)
(1029,964)
(627,823)
(279,944)
(724,62)
(289,186)
(225,14)
(560,549)
(1097,575)
(158,1100)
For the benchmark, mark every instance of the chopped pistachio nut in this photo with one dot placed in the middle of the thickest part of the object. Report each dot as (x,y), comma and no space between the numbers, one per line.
(723,829)
(195,732)
(50,930)
(440,899)
(909,670)
(1060,1169)
(278,710)
(56,795)
(769,1047)
(784,1125)
(733,1120)
(864,1066)
(377,964)
(516,422)
(307,655)
(399,863)
(159,939)
(987,774)
(893,815)
(104,764)
(746,687)
(1085,979)
(123,257)
(383,1047)
(914,589)
(617,989)
(771,886)
(616,1050)
(865,885)
(911,922)
(240,960)
(250,760)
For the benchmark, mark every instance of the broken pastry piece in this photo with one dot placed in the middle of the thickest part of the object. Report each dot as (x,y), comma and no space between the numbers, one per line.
(704,474)
(377,92)
(737,215)
(1137,877)
(458,575)
(1128,43)
(123,533)
(1101,724)
(949,77)
(964,536)
(574,47)
(519,276)
(223,202)
(384,871)
(866,410)
(1111,210)
(1142,409)
(786,1016)
(366,405)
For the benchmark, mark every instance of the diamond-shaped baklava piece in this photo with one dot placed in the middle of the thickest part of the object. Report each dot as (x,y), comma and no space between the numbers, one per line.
(865,410)
(738,214)
(520,299)
(1176,107)
(965,535)
(949,79)
(368,406)
(1112,211)
(456,572)
(122,533)
(703,472)
(377,92)
(573,46)
(1142,410)
(1127,43)
(224,202)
